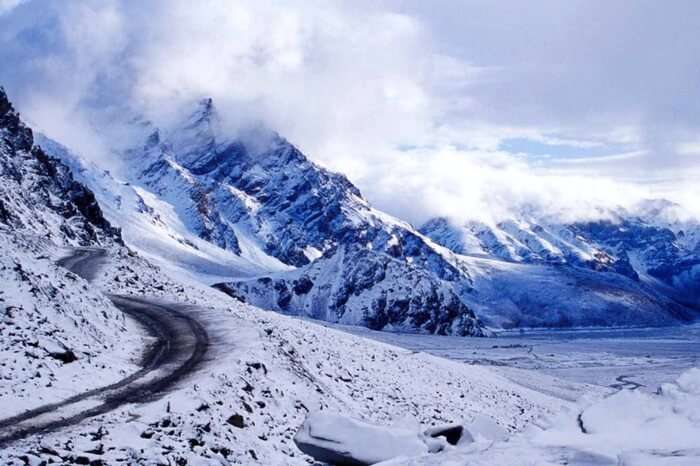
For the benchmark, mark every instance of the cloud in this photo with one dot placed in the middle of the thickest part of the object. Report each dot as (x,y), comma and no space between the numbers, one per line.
(488,186)
(8,5)
(414,101)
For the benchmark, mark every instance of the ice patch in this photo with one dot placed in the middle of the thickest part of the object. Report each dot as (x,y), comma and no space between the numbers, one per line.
(312,253)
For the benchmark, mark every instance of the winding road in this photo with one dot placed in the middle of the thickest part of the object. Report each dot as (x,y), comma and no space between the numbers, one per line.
(180,344)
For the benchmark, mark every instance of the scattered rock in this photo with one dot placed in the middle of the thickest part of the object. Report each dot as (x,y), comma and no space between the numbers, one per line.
(257,366)
(66,357)
(236,421)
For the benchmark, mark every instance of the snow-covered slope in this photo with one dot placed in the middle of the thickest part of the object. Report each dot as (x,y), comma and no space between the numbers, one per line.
(152,226)
(629,427)
(264,374)
(54,327)
(58,335)
(38,193)
(508,294)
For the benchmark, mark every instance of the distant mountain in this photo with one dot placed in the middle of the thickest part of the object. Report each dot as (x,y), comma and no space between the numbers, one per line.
(356,285)
(625,259)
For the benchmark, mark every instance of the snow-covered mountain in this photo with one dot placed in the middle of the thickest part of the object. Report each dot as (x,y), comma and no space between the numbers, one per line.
(38,194)
(61,339)
(627,261)
(247,210)
(251,204)
(53,326)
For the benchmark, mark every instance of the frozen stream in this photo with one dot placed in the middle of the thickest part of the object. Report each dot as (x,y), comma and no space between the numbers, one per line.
(617,358)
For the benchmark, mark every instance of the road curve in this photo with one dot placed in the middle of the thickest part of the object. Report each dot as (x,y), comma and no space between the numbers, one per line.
(180,344)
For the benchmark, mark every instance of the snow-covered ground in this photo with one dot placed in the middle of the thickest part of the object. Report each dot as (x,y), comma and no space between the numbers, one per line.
(58,336)
(263,374)
(630,428)
(639,407)
(266,372)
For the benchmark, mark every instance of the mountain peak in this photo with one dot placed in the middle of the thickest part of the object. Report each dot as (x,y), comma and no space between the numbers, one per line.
(6,107)
(17,133)
(205,112)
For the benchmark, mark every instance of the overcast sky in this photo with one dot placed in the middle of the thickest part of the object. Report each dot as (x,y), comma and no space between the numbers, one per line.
(459,108)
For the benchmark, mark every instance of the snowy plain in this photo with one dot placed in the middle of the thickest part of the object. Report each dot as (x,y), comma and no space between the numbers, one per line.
(645,356)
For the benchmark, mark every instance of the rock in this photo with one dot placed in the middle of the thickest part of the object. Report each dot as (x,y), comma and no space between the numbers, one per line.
(65,357)
(236,421)
(453,433)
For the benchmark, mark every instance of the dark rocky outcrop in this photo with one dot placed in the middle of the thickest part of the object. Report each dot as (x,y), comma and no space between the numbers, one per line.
(38,193)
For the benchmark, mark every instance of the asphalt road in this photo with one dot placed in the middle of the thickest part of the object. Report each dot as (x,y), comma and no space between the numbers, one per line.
(180,344)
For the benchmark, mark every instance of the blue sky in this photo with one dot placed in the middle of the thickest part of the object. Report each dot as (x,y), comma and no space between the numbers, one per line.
(553,150)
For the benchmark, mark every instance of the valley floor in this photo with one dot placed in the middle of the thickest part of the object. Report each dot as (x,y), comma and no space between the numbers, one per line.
(643,358)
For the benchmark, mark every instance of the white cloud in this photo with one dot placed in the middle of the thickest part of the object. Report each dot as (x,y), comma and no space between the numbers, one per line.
(487,186)
(355,84)
(8,5)
(689,148)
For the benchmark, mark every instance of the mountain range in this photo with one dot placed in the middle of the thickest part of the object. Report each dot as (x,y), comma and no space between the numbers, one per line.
(247,212)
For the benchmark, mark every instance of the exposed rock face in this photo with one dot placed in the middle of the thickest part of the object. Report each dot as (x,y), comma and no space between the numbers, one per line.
(38,193)
(355,285)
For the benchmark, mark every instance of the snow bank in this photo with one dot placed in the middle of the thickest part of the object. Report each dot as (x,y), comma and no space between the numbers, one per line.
(646,426)
(630,428)
(336,439)
(339,440)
